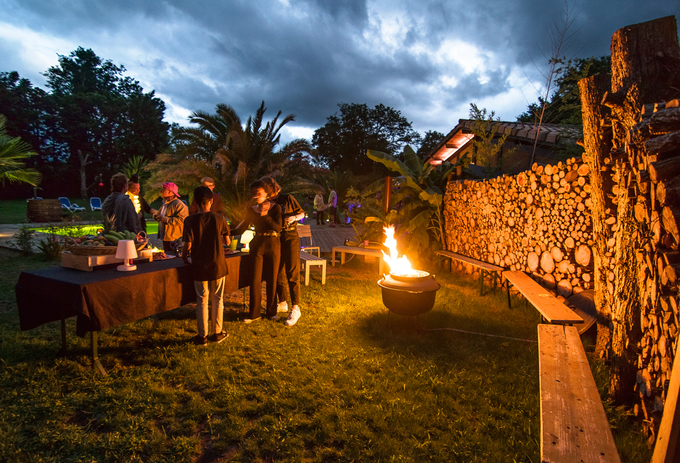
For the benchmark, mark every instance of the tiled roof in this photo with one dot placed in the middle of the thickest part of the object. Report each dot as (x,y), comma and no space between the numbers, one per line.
(460,137)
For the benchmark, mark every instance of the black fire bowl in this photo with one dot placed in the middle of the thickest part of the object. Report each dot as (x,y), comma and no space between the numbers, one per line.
(409,296)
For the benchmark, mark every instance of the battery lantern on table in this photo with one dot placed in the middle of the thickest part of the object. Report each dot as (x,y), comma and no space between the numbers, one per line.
(246,238)
(126,251)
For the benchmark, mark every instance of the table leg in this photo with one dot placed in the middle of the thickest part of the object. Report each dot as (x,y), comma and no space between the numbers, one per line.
(323,274)
(333,263)
(307,273)
(64,348)
(96,364)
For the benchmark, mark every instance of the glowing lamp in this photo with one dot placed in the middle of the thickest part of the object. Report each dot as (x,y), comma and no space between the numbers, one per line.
(126,250)
(246,238)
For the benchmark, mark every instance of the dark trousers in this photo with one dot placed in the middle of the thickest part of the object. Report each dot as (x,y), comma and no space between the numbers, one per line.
(265,252)
(289,269)
(319,217)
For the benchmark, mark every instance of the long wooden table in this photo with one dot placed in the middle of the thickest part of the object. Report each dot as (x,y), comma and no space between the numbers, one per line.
(105,297)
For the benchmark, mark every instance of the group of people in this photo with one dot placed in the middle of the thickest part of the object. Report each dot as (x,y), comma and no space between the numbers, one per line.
(332,206)
(204,231)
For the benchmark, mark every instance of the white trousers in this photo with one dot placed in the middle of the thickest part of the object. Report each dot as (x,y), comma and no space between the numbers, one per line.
(209,291)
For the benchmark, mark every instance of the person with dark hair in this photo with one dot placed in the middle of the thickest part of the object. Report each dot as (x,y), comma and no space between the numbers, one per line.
(289,267)
(217,204)
(265,249)
(171,217)
(118,207)
(204,234)
(138,201)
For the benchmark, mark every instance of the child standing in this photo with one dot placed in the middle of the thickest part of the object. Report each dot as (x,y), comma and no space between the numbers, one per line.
(204,234)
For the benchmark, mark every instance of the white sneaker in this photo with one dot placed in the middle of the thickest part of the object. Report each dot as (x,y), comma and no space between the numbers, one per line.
(282,307)
(293,316)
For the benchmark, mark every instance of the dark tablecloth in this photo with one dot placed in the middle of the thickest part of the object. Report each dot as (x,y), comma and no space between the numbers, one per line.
(105,297)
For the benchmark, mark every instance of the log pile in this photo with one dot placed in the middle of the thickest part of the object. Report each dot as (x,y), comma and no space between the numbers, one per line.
(650,176)
(537,221)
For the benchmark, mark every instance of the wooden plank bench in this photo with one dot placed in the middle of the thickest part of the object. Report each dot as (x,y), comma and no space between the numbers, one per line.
(360,251)
(574,426)
(309,260)
(548,305)
(482,266)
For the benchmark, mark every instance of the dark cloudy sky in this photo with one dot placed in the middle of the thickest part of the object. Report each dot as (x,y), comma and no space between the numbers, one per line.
(427,58)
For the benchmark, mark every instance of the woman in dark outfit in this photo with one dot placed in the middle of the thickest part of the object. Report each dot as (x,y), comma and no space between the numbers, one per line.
(289,268)
(265,249)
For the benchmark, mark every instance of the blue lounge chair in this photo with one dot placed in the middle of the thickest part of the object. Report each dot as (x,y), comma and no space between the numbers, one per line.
(95,204)
(66,204)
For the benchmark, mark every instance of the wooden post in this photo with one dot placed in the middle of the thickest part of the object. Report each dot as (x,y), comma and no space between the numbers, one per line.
(597,143)
(387,195)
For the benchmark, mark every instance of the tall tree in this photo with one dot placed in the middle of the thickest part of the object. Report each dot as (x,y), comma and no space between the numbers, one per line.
(430,141)
(564,104)
(102,117)
(342,142)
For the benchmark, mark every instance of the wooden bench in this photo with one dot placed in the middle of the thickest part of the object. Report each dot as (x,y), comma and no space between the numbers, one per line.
(574,426)
(360,251)
(310,260)
(548,305)
(482,266)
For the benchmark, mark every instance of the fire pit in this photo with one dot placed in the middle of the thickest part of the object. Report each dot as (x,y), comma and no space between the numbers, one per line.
(405,291)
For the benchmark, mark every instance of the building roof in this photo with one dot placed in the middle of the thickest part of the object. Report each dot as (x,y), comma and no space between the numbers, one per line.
(453,146)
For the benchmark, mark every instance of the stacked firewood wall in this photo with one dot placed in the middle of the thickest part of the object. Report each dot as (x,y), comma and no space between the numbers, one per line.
(537,221)
(650,172)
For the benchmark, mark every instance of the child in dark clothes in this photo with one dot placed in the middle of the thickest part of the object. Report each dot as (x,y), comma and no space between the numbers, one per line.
(204,234)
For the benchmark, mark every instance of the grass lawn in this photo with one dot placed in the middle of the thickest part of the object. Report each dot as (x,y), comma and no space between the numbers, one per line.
(350,382)
(14,211)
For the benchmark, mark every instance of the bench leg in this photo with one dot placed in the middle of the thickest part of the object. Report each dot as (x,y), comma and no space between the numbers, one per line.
(323,273)
(507,283)
(307,273)
(481,281)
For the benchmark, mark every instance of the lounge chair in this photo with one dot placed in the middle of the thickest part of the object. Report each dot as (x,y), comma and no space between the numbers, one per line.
(95,204)
(66,204)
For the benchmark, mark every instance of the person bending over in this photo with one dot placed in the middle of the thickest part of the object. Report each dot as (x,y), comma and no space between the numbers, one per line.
(265,249)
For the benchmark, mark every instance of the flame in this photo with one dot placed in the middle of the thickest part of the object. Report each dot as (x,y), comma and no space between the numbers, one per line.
(398,265)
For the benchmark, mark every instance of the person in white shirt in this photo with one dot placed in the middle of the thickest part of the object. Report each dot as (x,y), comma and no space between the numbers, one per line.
(332,205)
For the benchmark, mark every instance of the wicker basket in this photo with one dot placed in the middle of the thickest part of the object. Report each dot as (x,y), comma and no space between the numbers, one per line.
(80,250)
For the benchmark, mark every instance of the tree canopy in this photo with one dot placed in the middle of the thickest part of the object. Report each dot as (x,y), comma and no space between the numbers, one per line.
(564,106)
(91,120)
(342,142)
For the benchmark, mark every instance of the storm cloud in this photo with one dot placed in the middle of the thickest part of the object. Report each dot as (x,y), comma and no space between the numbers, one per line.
(429,59)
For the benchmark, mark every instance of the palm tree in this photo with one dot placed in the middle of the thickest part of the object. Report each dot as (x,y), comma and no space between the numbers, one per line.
(232,153)
(12,153)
